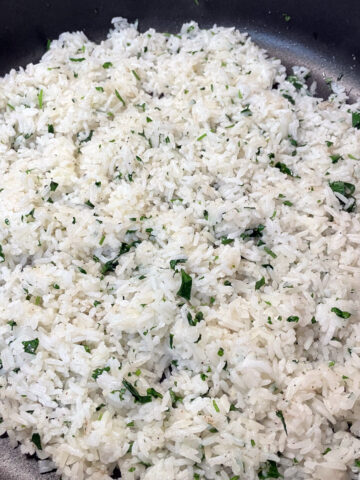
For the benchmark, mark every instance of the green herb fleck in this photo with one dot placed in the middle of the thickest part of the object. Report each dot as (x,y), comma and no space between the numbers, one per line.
(255,232)
(154,393)
(186,284)
(137,397)
(270,252)
(260,283)
(135,74)
(279,414)
(120,97)
(30,346)
(346,189)
(295,81)
(355,118)
(340,313)
(289,98)
(53,186)
(40,98)
(174,398)
(98,371)
(35,438)
(226,241)
(89,204)
(269,470)
(217,409)
(88,138)
(283,168)
(173,263)
(336,157)
(246,111)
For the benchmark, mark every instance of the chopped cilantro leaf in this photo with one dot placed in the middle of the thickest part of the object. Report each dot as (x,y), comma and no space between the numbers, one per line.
(174,398)
(255,232)
(98,371)
(89,204)
(35,438)
(269,470)
(137,397)
(120,97)
(289,98)
(335,158)
(226,241)
(30,346)
(283,168)
(355,120)
(40,98)
(279,414)
(135,74)
(340,313)
(260,283)
(217,409)
(186,284)
(173,263)
(270,252)
(154,393)
(53,186)
(88,138)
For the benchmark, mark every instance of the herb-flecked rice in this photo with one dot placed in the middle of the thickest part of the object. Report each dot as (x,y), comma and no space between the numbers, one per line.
(179,248)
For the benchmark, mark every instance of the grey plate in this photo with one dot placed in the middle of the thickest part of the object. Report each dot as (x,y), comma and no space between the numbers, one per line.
(15,466)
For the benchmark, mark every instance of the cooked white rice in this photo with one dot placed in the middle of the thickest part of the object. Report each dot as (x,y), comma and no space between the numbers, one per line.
(164,147)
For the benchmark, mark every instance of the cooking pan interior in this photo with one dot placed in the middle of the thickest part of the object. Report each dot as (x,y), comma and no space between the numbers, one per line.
(322,35)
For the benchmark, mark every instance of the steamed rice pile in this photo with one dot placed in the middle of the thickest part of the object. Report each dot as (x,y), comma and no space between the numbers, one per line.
(180,262)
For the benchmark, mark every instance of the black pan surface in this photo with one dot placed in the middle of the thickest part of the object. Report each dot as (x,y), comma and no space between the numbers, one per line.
(323,35)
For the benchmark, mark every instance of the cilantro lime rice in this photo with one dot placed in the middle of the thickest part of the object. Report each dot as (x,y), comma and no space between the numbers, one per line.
(179,248)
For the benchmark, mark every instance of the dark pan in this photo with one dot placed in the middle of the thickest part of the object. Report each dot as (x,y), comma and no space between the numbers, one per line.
(323,35)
